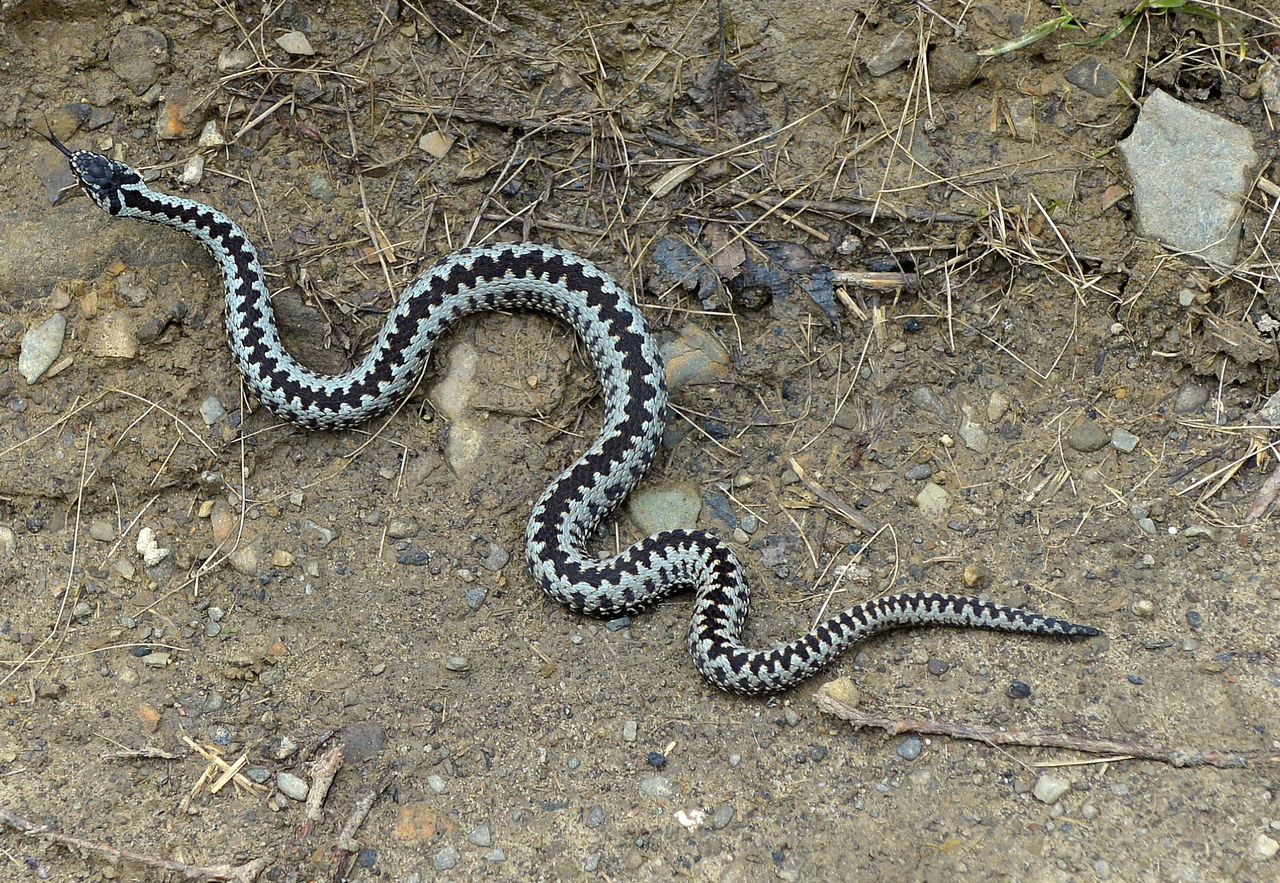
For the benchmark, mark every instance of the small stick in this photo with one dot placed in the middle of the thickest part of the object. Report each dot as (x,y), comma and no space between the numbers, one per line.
(246,873)
(1112,749)
(347,846)
(322,775)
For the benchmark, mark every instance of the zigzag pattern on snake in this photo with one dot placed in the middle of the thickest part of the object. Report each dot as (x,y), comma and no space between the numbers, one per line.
(626,357)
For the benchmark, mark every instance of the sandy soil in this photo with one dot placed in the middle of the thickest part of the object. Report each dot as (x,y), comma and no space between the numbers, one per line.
(376,597)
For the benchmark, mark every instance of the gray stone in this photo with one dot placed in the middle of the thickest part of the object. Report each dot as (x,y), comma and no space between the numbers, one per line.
(1049,788)
(655,509)
(361,741)
(446,858)
(40,347)
(1191,398)
(136,55)
(933,500)
(910,748)
(657,786)
(211,410)
(892,52)
(1093,77)
(1190,171)
(1087,436)
(481,836)
(291,786)
(1123,440)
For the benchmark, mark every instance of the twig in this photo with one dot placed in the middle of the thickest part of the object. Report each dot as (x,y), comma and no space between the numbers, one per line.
(246,873)
(347,846)
(827,700)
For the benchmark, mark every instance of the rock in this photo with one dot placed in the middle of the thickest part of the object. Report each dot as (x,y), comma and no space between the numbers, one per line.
(291,786)
(1093,77)
(446,859)
(113,337)
(211,410)
(911,748)
(658,787)
(1049,788)
(481,836)
(193,171)
(1191,398)
(892,52)
(295,43)
(150,550)
(1086,436)
(8,542)
(952,67)
(401,529)
(452,397)
(102,531)
(933,501)
(40,347)
(654,509)
(232,60)
(1022,113)
(136,56)
(974,436)
(1190,171)
(245,558)
(1123,440)
(695,356)
(1265,847)
(997,406)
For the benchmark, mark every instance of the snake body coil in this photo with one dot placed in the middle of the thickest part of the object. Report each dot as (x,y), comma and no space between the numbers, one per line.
(537,277)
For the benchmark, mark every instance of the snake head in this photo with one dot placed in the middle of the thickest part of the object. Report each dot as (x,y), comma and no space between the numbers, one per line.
(101,178)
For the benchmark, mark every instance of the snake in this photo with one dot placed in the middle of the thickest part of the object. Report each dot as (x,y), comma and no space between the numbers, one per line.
(627,360)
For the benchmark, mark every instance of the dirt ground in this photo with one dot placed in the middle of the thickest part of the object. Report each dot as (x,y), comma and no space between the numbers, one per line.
(362,589)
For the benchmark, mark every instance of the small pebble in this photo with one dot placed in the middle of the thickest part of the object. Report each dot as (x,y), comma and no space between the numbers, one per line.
(40,347)
(656,759)
(211,410)
(102,531)
(1049,788)
(1135,680)
(291,786)
(475,597)
(722,817)
(919,472)
(1123,440)
(458,663)
(495,855)
(1265,847)
(595,817)
(938,667)
(481,836)
(629,731)
(436,784)
(910,748)
(296,43)
(1018,690)
(446,859)
(1087,436)
(657,786)
(1191,397)
(1194,619)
